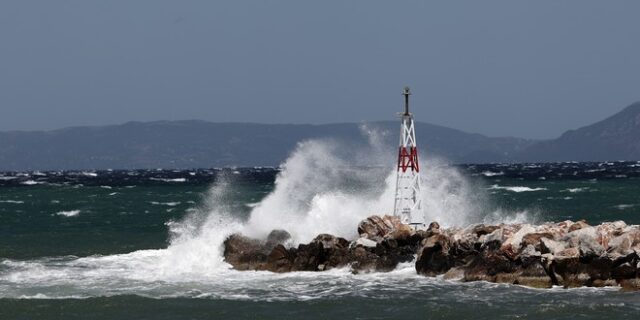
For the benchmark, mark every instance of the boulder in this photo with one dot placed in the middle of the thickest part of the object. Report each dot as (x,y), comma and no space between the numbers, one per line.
(570,254)
(280,259)
(376,227)
(364,242)
(434,257)
(244,253)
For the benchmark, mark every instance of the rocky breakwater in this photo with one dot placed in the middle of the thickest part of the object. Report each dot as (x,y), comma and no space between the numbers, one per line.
(569,254)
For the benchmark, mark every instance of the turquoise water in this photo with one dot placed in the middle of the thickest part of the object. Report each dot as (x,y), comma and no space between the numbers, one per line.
(112,245)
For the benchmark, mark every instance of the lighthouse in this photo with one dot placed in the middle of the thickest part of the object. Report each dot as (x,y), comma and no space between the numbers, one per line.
(408,202)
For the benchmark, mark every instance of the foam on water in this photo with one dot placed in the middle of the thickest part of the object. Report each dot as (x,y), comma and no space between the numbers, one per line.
(70,213)
(516,188)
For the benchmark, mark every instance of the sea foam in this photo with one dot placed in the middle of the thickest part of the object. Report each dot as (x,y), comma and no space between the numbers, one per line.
(70,213)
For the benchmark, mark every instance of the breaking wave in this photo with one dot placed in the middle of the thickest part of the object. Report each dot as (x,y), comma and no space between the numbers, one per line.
(70,213)
(322,188)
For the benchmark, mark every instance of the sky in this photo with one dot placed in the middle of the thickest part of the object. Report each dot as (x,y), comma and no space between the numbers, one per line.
(530,69)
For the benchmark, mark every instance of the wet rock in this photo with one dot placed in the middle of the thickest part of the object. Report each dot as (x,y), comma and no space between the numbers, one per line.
(244,253)
(626,270)
(433,226)
(630,284)
(330,242)
(567,253)
(376,227)
(363,260)
(308,256)
(454,273)
(434,257)
(533,275)
(481,229)
(364,242)
(280,259)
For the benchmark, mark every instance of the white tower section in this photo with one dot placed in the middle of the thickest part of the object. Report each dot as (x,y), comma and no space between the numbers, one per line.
(408,203)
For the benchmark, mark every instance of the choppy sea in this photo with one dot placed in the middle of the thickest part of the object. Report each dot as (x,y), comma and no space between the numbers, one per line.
(146,244)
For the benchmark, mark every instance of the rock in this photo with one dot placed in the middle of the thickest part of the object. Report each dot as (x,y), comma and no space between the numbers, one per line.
(578,225)
(401,233)
(277,237)
(364,261)
(620,246)
(365,243)
(454,274)
(585,239)
(493,239)
(567,253)
(551,246)
(375,227)
(309,256)
(630,284)
(280,259)
(481,229)
(534,239)
(329,241)
(529,255)
(488,264)
(511,245)
(434,257)
(244,253)
(533,275)
(624,271)
(433,226)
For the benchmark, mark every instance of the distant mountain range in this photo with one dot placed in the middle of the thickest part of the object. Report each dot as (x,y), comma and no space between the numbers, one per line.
(200,144)
(614,138)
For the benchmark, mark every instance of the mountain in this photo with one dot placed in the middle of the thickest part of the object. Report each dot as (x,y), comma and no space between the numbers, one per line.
(614,138)
(200,144)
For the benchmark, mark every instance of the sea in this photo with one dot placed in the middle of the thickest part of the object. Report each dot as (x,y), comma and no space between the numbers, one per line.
(147,244)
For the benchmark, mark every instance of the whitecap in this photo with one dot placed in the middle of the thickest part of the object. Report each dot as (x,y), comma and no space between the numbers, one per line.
(170,204)
(70,213)
(31,182)
(515,188)
(492,174)
(12,201)
(169,180)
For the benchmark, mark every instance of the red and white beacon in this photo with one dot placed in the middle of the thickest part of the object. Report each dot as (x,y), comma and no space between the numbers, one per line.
(408,201)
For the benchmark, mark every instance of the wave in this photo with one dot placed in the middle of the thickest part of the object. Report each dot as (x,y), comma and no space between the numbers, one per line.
(169,204)
(31,182)
(515,188)
(492,174)
(323,187)
(12,201)
(70,213)
(169,180)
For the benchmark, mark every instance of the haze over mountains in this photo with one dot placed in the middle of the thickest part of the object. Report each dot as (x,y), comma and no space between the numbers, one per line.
(200,144)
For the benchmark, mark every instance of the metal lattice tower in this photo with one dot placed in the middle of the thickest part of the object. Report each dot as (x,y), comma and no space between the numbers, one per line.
(408,203)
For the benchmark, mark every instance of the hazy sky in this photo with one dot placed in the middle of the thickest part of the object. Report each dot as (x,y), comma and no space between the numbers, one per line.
(521,68)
